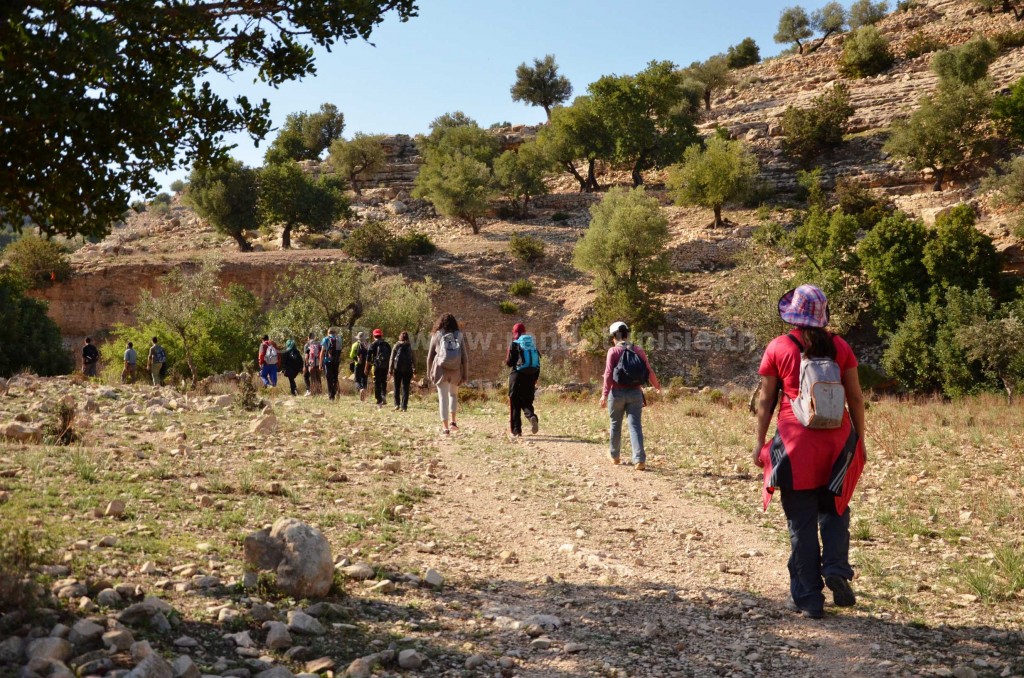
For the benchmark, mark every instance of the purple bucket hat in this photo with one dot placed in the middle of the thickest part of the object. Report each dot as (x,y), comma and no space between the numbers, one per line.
(806,306)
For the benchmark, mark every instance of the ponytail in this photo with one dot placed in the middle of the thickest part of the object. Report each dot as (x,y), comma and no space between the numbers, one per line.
(817,343)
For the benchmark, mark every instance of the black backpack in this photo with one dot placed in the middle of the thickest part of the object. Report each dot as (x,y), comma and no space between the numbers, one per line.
(382,355)
(631,369)
(333,347)
(403,358)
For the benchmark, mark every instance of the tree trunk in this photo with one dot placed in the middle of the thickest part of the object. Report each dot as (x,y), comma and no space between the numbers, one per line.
(592,185)
(820,43)
(355,184)
(547,111)
(707,99)
(286,237)
(718,215)
(799,47)
(573,171)
(940,174)
(243,244)
(638,178)
(474,225)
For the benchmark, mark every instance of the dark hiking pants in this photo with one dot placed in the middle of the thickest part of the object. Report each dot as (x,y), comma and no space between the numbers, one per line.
(807,512)
(521,387)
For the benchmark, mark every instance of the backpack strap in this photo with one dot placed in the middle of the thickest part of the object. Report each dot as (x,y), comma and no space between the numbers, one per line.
(796,341)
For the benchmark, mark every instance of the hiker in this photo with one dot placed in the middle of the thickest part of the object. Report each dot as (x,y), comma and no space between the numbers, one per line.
(131,359)
(330,360)
(156,363)
(524,359)
(357,363)
(378,358)
(403,369)
(313,374)
(292,364)
(626,372)
(268,358)
(90,358)
(447,368)
(817,453)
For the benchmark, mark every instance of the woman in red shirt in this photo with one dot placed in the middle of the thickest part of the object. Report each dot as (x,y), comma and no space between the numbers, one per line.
(816,469)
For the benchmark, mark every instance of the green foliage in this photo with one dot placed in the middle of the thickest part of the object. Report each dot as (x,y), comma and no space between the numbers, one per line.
(828,258)
(508,307)
(22,553)
(625,249)
(295,200)
(892,255)
(362,156)
(374,242)
(813,130)
(907,5)
(712,75)
(36,262)
(455,134)
(519,175)
(577,132)
(752,304)
(959,255)
(1008,111)
(966,64)
(642,312)
(721,172)
(810,188)
(858,201)
(867,13)
(1007,180)
(541,85)
(944,132)
(526,248)
(396,304)
(305,136)
(136,83)
(997,345)
(746,53)
(650,116)
(178,186)
(226,196)
(866,52)
(458,186)
(521,288)
(419,244)
(910,355)
(308,299)
(1007,40)
(29,339)
(921,43)
(829,19)
(794,27)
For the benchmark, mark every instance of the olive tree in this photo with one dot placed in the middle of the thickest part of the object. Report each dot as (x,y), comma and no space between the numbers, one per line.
(711,176)
(519,175)
(577,132)
(712,74)
(867,13)
(294,200)
(305,136)
(541,84)
(361,156)
(226,197)
(828,20)
(794,27)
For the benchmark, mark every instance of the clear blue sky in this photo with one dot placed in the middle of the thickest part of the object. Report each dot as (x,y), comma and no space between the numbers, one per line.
(462,55)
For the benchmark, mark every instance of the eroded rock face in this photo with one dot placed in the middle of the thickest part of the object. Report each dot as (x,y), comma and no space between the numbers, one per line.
(299,556)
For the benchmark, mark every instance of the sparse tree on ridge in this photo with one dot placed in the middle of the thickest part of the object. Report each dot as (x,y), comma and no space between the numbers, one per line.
(361,156)
(794,27)
(135,78)
(305,136)
(712,74)
(541,85)
(746,53)
(867,13)
(710,177)
(226,196)
(292,199)
(1014,7)
(828,20)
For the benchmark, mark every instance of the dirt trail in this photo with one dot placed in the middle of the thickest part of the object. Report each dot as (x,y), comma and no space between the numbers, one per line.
(629,563)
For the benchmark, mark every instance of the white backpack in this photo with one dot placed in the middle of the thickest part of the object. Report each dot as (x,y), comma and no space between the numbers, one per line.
(449,355)
(270,355)
(822,399)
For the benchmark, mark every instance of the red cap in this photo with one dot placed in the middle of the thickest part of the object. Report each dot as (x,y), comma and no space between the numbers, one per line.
(378,333)
(518,330)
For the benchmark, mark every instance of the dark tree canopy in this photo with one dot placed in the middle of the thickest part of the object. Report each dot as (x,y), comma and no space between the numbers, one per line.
(226,196)
(97,96)
(794,27)
(305,136)
(293,199)
(541,85)
(746,53)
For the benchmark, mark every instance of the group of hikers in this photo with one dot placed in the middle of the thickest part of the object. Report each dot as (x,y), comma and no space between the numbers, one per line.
(808,375)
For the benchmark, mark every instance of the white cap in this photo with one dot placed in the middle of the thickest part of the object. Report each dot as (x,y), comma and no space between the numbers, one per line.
(617,326)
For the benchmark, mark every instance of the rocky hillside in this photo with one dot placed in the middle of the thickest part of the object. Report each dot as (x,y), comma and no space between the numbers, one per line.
(475,271)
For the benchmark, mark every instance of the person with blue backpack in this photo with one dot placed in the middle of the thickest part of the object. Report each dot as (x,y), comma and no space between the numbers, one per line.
(626,372)
(524,359)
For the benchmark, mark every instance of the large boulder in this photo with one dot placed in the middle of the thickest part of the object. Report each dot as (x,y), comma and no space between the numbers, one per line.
(299,556)
(22,433)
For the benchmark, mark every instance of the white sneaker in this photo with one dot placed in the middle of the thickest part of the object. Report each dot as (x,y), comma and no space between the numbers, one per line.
(308,394)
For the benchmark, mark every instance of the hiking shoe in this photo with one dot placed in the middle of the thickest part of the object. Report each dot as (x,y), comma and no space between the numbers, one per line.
(534,423)
(842,592)
(445,431)
(810,614)
(397,408)
(640,466)
(454,426)
(615,460)
(308,393)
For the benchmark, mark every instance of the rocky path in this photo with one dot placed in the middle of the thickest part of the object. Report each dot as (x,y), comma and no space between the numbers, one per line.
(637,579)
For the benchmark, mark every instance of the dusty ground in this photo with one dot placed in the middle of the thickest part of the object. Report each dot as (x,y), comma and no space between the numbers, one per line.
(670,572)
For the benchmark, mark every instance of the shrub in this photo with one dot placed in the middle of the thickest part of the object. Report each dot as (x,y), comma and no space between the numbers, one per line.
(1008,111)
(746,53)
(965,64)
(892,257)
(1008,182)
(60,430)
(29,339)
(374,242)
(1007,40)
(21,554)
(161,199)
(642,312)
(813,130)
(920,44)
(419,244)
(907,5)
(248,395)
(866,52)
(959,255)
(526,248)
(856,200)
(508,307)
(521,288)
(519,175)
(36,261)
(867,13)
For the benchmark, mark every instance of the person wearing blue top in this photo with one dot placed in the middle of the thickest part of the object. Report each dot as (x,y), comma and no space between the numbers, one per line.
(330,359)
(524,359)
